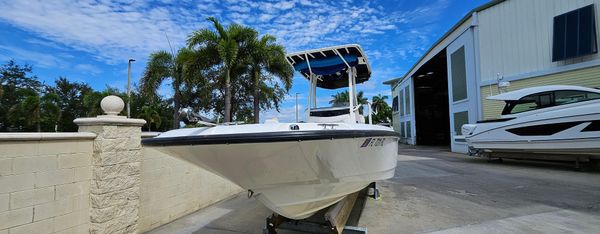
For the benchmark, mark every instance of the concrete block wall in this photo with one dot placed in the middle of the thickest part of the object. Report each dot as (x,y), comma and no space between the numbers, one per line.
(172,188)
(45,182)
(46,178)
(99,180)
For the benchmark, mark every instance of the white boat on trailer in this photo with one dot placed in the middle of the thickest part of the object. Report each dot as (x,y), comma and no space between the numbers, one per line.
(297,169)
(547,122)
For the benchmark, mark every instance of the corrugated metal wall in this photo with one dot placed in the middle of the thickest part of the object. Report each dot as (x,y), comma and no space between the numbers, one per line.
(589,77)
(515,37)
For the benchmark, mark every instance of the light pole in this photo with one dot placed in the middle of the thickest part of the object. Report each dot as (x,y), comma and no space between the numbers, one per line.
(297,107)
(129,87)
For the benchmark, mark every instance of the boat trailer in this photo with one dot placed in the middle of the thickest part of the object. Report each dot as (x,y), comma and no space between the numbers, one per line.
(340,218)
(499,156)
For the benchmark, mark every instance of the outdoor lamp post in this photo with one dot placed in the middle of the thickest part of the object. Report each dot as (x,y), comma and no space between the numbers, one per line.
(297,107)
(129,87)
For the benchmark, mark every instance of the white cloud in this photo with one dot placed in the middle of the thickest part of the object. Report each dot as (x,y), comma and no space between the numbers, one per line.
(46,43)
(88,68)
(283,5)
(111,30)
(239,8)
(266,17)
(115,30)
(44,60)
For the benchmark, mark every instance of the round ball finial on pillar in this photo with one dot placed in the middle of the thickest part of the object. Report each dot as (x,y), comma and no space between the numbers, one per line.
(112,105)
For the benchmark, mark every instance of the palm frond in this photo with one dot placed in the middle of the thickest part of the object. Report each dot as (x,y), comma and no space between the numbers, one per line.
(203,37)
(228,50)
(222,33)
(159,67)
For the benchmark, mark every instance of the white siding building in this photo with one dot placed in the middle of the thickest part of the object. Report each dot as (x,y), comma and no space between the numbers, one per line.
(515,43)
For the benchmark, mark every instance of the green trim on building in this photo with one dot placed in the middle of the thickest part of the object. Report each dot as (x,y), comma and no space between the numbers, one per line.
(587,77)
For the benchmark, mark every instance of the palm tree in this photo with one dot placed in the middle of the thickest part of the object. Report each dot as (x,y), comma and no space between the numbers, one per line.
(341,98)
(163,65)
(231,47)
(269,57)
(27,110)
(50,108)
(378,102)
(151,115)
(382,111)
(34,109)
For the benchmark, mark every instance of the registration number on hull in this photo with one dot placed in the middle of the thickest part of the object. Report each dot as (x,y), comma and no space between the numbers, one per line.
(372,142)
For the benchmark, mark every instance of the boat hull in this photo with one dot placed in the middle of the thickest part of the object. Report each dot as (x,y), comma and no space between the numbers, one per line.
(589,146)
(296,178)
(565,131)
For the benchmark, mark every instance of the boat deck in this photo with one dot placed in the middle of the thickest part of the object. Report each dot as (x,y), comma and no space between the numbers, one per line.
(438,191)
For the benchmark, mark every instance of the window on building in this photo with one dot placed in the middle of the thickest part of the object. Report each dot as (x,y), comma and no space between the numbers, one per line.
(402,130)
(459,75)
(574,34)
(407,98)
(401,102)
(408,130)
(460,118)
(395,104)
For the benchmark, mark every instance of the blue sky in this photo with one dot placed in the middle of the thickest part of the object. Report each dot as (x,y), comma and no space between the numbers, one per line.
(91,41)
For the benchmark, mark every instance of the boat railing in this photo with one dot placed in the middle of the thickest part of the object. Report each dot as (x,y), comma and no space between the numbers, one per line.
(370,111)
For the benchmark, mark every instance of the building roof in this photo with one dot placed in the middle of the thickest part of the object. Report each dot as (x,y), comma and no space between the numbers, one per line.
(518,94)
(461,21)
(392,81)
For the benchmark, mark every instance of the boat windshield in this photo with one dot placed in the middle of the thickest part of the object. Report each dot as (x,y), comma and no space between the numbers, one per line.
(341,104)
(548,99)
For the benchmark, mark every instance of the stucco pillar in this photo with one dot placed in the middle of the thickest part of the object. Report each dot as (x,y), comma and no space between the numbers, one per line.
(116,158)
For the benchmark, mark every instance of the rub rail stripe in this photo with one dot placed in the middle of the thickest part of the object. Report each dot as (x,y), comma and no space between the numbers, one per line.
(263,137)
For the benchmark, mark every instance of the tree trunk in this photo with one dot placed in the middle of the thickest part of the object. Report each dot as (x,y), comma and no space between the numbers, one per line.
(256,97)
(175,116)
(176,105)
(227,96)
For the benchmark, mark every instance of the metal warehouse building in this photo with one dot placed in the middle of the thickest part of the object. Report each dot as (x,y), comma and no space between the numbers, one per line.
(500,46)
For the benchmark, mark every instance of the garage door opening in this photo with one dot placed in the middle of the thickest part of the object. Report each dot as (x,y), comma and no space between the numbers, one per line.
(431,102)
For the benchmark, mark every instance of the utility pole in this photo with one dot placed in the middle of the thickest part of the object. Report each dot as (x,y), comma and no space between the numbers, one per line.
(129,87)
(296,107)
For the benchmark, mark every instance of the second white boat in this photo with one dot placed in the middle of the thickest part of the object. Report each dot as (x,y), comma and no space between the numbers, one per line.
(554,119)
